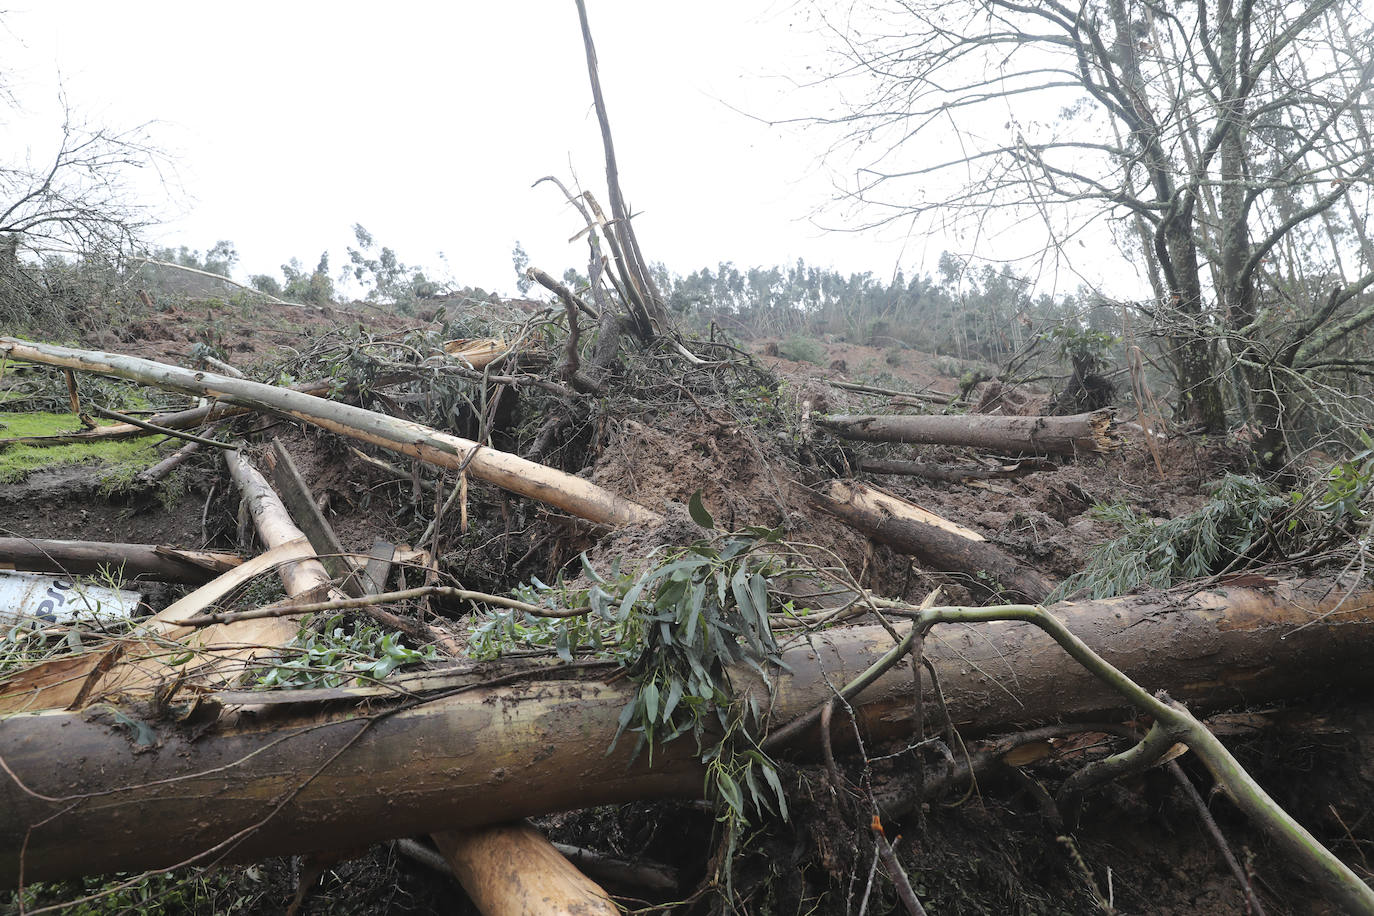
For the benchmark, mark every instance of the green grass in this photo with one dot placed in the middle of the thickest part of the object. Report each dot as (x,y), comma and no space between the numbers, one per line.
(117,457)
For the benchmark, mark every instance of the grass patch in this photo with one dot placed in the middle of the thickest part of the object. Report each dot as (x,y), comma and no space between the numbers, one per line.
(119,457)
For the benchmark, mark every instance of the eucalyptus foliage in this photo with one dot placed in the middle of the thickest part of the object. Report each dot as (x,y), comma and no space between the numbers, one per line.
(676,629)
(1239,519)
(334,655)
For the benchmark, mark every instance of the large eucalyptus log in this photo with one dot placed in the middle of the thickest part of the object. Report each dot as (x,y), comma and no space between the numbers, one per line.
(510,472)
(132,561)
(85,792)
(989,567)
(1078,434)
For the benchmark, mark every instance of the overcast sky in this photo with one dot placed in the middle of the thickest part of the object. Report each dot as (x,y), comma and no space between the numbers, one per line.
(427,123)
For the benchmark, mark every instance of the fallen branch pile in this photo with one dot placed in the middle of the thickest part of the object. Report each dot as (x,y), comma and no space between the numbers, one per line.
(172,754)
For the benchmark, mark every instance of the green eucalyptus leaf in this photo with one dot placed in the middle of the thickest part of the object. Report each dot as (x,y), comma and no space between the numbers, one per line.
(698,512)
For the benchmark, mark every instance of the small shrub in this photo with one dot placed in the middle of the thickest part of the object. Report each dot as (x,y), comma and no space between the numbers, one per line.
(802,350)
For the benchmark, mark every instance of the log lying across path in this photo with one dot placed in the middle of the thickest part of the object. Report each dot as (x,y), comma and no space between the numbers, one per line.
(132,561)
(86,792)
(940,547)
(510,472)
(1079,434)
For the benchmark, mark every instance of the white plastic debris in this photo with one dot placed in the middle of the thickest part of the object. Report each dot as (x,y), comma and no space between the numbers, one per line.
(38,599)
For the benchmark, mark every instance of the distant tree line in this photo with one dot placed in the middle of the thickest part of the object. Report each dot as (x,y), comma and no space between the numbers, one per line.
(972,313)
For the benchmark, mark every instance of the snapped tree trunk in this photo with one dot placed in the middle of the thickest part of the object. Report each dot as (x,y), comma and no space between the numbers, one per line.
(131,561)
(103,789)
(1084,433)
(510,472)
(988,568)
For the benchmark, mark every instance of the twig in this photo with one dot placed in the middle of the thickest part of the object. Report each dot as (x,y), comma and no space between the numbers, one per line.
(561,291)
(286,608)
(1174,723)
(391,469)
(896,873)
(1253,907)
(163,430)
(221,278)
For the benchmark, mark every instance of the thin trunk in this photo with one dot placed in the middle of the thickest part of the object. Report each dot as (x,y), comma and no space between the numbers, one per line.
(988,569)
(511,472)
(129,561)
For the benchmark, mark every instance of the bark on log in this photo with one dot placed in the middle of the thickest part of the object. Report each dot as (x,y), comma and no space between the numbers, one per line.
(989,566)
(510,472)
(874,499)
(1085,433)
(133,561)
(346,767)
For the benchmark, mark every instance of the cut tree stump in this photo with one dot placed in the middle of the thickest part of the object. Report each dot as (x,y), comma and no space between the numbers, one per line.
(942,548)
(1084,433)
(322,770)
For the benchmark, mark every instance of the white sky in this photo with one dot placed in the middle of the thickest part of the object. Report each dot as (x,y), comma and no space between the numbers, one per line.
(427,122)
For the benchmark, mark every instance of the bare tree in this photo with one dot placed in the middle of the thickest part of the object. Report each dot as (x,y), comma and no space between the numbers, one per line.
(78,198)
(1226,141)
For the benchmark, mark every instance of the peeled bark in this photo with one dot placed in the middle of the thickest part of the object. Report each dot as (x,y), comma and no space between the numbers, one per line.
(132,561)
(510,472)
(1085,433)
(512,870)
(988,567)
(326,769)
(295,492)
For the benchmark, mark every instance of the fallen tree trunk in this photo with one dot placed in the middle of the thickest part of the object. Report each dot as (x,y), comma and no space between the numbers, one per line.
(943,473)
(175,419)
(1084,433)
(510,472)
(512,870)
(319,770)
(166,651)
(132,561)
(988,567)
